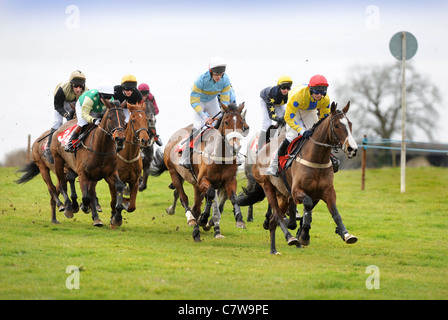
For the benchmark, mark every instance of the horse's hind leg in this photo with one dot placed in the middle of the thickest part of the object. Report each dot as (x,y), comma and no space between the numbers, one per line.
(209,196)
(71,180)
(172,209)
(62,182)
(178,181)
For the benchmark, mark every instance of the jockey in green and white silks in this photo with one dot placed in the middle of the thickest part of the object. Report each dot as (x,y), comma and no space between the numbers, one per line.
(89,108)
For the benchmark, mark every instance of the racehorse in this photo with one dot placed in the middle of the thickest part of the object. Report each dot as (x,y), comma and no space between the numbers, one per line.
(40,164)
(129,162)
(148,151)
(94,160)
(214,162)
(309,179)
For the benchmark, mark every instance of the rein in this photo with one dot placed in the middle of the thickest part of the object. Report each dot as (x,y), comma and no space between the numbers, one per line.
(110,134)
(335,146)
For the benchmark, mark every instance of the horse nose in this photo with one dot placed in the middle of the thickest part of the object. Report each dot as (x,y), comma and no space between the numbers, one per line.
(119,144)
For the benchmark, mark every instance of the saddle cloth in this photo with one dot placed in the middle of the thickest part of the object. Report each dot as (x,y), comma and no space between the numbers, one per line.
(293,149)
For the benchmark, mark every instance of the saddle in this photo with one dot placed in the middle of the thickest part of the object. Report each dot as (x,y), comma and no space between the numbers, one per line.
(182,144)
(284,162)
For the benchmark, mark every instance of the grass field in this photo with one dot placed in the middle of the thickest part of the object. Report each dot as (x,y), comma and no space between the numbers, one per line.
(402,238)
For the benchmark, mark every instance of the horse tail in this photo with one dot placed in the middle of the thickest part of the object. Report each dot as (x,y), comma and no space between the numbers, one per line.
(157,164)
(251,196)
(30,171)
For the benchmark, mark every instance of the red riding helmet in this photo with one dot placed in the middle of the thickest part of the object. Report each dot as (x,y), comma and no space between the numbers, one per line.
(318,81)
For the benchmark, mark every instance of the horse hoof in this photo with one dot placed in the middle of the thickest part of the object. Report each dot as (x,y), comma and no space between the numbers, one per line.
(99,209)
(192,222)
(61,208)
(85,209)
(304,242)
(206,227)
(97,223)
(241,224)
(293,241)
(68,214)
(276,253)
(115,223)
(350,239)
(169,211)
(219,236)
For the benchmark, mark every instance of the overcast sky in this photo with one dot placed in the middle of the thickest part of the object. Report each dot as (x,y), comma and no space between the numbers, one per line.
(168,43)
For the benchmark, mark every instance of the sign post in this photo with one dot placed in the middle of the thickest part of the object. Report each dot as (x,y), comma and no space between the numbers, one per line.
(403,46)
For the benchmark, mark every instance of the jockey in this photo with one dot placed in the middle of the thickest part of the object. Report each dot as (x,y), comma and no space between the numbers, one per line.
(65,96)
(128,91)
(148,96)
(303,107)
(204,101)
(90,109)
(273,104)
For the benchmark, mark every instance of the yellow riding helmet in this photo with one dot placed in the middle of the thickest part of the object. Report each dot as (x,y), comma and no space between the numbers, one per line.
(284,79)
(128,78)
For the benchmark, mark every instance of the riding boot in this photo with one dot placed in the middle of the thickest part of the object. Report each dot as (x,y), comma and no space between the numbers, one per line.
(75,134)
(335,162)
(185,160)
(272,170)
(261,140)
(47,151)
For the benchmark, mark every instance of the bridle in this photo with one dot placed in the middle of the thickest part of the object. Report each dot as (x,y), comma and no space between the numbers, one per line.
(333,134)
(136,132)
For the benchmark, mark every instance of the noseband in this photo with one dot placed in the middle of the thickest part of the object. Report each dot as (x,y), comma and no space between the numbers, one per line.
(333,134)
(136,132)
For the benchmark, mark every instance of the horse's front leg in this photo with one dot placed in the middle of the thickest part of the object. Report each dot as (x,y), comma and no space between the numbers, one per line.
(341,230)
(172,209)
(116,188)
(231,194)
(203,219)
(71,177)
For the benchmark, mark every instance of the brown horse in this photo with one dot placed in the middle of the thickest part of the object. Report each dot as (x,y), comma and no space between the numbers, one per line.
(40,164)
(129,159)
(94,160)
(309,179)
(214,165)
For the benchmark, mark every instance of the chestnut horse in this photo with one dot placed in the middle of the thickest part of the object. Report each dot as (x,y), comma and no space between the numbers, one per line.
(94,160)
(214,162)
(129,159)
(309,179)
(40,164)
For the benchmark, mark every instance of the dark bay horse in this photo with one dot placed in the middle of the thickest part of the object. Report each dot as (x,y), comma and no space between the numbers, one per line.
(40,164)
(309,179)
(94,160)
(129,160)
(214,162)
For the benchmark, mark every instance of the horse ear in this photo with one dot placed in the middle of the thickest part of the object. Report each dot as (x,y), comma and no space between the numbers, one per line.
(223,107)
(107,104)
(241,107)
(334,106)
(345,110)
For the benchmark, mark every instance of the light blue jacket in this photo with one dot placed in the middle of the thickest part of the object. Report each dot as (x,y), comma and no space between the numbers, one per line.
(205,89)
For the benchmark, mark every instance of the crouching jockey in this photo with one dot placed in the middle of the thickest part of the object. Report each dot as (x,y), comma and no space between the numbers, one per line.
(89,109)
(304,105)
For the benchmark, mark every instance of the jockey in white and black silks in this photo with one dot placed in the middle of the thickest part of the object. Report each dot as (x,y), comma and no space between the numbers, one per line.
(273,101)
(65,96)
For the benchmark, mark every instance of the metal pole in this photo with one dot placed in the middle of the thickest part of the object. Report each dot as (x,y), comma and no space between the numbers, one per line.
(403,115)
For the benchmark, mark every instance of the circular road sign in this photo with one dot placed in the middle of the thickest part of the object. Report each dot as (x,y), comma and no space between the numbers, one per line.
(396,45)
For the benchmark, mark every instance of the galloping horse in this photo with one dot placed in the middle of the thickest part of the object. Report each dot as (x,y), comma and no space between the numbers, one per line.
(148,151)
(129,159)
(40,164)
(94,160)
(214,165)
(309,179)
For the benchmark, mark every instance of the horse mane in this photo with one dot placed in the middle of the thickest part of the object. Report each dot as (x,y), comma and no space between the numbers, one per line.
(232,106)
(318,123)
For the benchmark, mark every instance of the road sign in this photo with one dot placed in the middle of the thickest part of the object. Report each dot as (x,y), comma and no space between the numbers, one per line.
(396,45)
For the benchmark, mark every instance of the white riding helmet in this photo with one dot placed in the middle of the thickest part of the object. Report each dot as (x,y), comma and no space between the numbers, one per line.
(217,64)
(106,88)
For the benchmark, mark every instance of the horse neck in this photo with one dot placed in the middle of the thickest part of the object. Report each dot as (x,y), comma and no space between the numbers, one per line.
(321,134)
(131,148)
(101,141)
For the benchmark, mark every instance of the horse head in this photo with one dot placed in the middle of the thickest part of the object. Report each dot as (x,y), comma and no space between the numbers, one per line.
(139,124)
(233,126)
(341,130)
(114,124)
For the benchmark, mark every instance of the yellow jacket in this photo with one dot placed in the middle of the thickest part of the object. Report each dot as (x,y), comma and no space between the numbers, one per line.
(301,99)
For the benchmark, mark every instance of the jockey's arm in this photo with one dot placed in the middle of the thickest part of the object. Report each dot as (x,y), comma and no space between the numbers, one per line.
(59,99)
(291,109)
(86,108)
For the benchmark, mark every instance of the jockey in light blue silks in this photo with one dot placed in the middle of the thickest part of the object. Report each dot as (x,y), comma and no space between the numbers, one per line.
(204,99)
